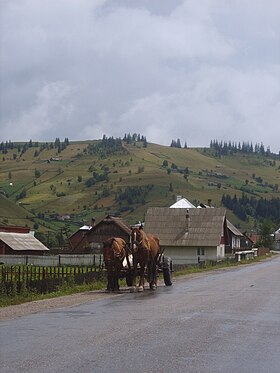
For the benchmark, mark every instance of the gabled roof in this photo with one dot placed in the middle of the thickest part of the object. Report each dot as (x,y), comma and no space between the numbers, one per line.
(22,242)
(203,227)
(233,229)
(182,203)
(116,220)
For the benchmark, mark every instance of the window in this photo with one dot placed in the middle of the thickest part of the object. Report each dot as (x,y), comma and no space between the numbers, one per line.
(200,251)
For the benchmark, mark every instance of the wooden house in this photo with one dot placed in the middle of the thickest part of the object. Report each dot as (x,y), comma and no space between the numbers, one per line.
(20,241)
(246,242)
(78,241)
(91,240)
(189,235)
(235,239)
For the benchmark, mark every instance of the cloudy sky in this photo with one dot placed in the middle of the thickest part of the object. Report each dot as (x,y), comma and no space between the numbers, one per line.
(167,69)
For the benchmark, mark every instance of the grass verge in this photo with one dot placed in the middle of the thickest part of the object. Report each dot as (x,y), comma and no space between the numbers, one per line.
(28,296)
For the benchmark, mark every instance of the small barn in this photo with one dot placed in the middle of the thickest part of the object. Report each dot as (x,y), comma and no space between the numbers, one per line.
(78,241)
(20,241)
(189,235)
(91,240)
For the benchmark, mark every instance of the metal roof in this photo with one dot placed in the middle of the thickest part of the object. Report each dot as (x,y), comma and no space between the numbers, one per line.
(22,242)
(202,227)
(182,203)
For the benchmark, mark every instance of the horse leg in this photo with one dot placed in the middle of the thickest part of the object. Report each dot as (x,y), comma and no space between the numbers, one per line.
(141,281)
(110,276)
(143,262)
(153,266)
(117,270)
(134,274)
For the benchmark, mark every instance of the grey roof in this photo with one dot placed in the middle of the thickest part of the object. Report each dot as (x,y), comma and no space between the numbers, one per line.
(22,242)
(114,219)
(233,229)
(205,227)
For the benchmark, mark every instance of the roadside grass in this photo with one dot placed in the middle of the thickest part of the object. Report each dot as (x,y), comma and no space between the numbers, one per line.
(209,266)
(28,296)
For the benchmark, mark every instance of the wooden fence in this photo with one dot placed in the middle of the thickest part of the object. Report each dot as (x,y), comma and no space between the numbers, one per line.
(17,279)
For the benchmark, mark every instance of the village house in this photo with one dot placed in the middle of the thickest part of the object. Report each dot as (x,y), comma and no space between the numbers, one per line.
(90,239)
(236,238)
(189,236)
(20,241)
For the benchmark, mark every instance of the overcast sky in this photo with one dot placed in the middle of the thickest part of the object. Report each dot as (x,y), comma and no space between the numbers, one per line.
(167,69)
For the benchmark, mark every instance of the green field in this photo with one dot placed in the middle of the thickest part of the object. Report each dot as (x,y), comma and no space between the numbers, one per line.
(39,187)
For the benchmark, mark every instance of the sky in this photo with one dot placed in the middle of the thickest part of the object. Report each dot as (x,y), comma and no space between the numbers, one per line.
(166,69)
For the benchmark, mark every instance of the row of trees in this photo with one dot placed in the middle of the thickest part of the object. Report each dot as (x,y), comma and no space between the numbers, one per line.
(231,147)
(177,144)
(135,137)
(23,147)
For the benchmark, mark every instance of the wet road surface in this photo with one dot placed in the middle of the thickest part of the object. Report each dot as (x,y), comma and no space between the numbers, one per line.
(222,321)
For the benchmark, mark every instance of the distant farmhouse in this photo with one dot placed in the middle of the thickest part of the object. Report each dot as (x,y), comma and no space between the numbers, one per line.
(20,241)
(89,239)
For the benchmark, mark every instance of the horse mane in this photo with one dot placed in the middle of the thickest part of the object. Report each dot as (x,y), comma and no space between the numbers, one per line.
(144,239)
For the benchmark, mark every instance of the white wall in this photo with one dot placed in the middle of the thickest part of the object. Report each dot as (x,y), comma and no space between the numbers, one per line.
(188,255)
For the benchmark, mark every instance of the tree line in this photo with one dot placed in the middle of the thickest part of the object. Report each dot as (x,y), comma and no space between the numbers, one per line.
(259,209)
(135,137)
(231,147)
(23,147)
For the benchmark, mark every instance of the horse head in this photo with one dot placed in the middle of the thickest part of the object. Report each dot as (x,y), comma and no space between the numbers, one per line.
(138,239)
(113,250)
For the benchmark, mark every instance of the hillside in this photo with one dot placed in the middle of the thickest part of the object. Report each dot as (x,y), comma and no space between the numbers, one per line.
(46,186)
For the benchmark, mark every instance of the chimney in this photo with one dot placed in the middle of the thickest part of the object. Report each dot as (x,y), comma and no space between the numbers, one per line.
(93,222)
(187,221)
(209,202)
(178,198)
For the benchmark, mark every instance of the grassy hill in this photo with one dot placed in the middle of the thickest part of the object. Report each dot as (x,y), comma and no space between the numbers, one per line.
(41,186)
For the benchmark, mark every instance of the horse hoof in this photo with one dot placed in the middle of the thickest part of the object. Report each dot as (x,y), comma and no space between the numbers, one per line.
(133,289)
(153,287)
(141,288)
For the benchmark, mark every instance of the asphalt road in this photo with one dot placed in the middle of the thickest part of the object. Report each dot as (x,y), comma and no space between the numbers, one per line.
(223,321)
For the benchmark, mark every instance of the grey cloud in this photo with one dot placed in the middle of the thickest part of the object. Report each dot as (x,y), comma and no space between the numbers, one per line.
(181,69)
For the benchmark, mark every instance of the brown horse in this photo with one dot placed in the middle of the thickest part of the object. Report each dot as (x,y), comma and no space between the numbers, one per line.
(114,252)
(145,250)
